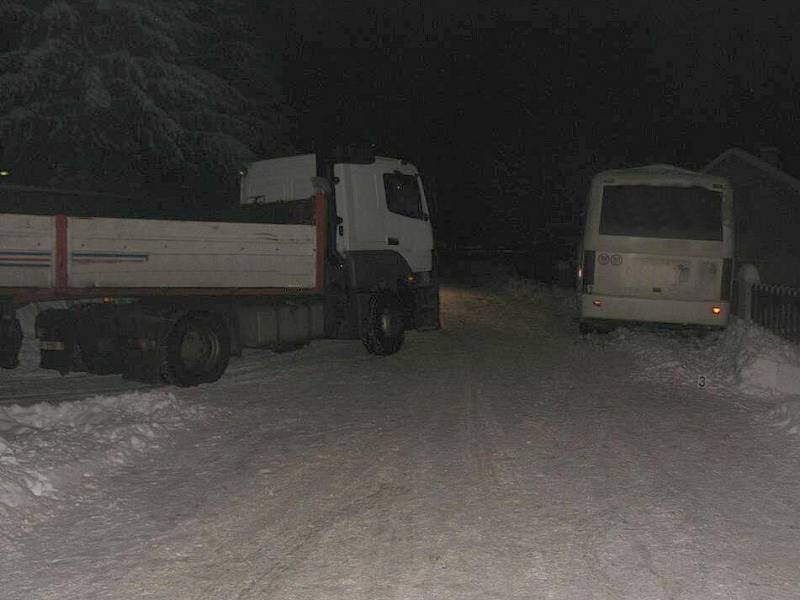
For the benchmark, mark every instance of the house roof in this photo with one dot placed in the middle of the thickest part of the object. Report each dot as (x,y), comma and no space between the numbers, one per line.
(661,173)
(659,168)
(756,162)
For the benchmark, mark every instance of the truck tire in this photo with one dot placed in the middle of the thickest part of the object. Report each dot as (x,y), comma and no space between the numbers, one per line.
(384,330)
(196,350)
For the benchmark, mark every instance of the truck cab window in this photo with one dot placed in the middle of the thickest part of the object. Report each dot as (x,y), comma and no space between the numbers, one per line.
(402,195)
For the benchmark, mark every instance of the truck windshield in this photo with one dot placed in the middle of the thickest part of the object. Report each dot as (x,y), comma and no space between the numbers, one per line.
(687,213)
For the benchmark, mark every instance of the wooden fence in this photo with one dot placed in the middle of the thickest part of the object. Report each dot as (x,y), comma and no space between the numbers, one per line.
(776,307)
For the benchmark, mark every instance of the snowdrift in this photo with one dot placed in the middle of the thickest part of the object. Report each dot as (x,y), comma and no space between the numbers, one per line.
(744,358)
(45,447)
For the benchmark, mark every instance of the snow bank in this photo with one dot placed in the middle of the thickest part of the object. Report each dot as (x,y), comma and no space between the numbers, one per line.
(45,447)
(766,362)
(745,358)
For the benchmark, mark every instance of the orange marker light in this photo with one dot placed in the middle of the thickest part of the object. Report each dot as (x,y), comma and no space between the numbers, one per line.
(716,310)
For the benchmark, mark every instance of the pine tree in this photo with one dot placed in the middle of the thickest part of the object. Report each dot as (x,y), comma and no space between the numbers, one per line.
(123,95)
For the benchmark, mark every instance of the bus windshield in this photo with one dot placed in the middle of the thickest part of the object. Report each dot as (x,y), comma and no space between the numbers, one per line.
(687,213)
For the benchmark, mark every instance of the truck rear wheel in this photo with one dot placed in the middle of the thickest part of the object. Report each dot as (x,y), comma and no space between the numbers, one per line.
(384,331)
(196,351)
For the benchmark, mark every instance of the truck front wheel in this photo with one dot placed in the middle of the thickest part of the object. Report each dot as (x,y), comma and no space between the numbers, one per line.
(196,351)
(384,330)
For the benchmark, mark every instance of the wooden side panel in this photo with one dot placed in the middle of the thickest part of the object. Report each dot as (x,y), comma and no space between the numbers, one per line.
(138,253)
(27,251)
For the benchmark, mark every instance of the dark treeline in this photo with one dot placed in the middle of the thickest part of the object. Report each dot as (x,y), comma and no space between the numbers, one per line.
(141,97)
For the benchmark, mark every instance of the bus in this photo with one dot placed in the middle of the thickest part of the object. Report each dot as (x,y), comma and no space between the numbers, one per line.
(657,248)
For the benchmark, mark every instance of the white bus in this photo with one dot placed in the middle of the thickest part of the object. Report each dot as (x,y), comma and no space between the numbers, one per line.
(657,247)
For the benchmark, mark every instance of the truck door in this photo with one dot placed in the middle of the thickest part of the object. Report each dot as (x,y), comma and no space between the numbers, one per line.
(382,207)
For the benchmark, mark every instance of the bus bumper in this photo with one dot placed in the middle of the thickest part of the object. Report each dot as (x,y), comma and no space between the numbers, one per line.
(677,312)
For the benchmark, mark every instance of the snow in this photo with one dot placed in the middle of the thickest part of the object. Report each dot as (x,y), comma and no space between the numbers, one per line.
(787,415)
(743,359)
(504,456)
(43,445)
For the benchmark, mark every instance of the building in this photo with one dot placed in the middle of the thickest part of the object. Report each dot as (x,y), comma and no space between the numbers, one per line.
(767,204)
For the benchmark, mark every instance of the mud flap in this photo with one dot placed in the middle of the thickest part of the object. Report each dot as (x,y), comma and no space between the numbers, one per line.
(10,340)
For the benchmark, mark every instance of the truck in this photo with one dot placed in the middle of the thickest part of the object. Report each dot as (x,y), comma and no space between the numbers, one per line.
(325,245)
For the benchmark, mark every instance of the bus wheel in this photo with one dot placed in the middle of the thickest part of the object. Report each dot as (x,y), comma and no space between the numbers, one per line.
(196,351)
(383,333)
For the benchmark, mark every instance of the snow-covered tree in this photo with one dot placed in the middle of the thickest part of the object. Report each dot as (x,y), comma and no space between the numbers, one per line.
(133,94)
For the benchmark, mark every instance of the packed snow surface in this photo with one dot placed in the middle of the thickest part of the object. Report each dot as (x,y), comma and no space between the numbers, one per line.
(504,456)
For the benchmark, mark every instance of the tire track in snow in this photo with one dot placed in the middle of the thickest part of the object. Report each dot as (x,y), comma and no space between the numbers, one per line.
(372,493)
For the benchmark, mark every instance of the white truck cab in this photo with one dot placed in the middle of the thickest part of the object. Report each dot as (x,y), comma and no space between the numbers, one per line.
(380,206)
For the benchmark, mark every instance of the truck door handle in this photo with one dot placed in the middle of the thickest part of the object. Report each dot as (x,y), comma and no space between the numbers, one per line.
(393,241)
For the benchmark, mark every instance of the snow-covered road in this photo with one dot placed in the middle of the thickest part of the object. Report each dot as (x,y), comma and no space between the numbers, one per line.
(502,457)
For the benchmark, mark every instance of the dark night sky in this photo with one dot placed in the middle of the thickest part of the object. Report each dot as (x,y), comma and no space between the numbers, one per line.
(519,96)
(710,61)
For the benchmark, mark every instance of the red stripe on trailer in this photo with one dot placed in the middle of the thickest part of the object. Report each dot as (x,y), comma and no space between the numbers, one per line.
(61,251)
(21,296)
(320,220)
(25,258)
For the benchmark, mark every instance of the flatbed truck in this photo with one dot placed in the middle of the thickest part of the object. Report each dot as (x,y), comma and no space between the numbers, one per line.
(335,247)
